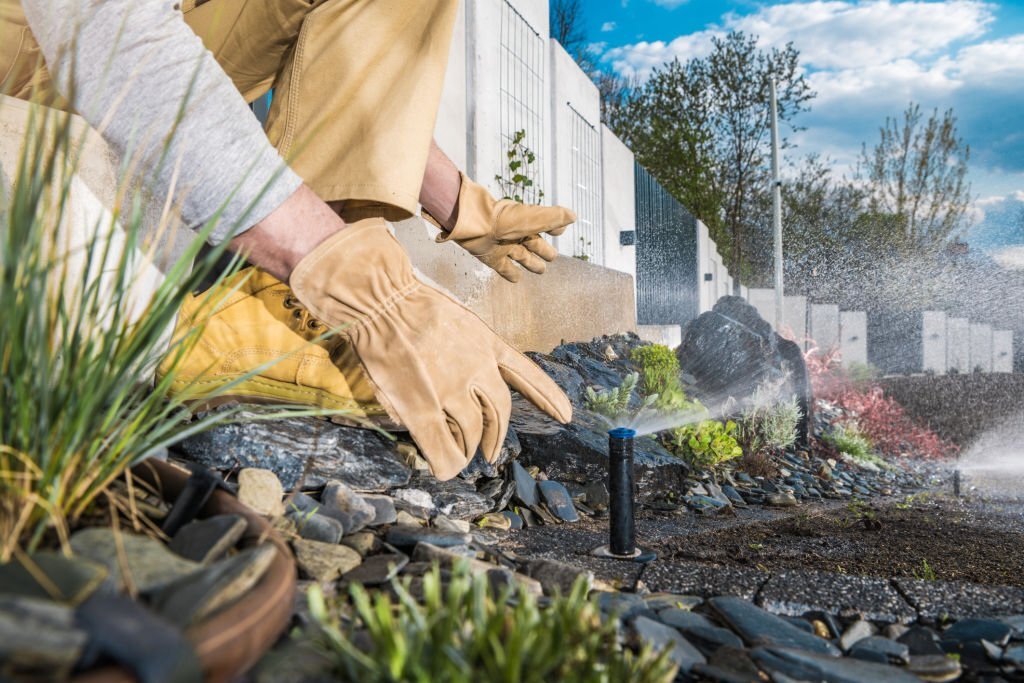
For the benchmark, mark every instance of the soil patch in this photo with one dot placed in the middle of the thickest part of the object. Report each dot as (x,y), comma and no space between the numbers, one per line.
(927,538)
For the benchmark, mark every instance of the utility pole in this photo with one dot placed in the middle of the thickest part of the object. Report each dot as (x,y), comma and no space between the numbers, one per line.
(777,210)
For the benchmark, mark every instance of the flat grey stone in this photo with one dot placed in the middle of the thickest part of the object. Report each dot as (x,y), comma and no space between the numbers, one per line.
(75,578)
(664,601)
(558,500)
(820,667)
(880,649)
(709,639)
(324,561)
(455,498)
(377,569)
(758,627)
(301,502)
(526,486)
(856,632)
(1015,656)
(557,577)
(317,527)
(340,502)
(935,668)
(478,467)
(955,600)
(974,630)
(705,581)
(38,639)
(795,593)
(384,511)
(414,501)
(364,542)
(409,536)
(624,605)
(662,638)
(304,452)
(261,490)
(150,564)
(683,619)
(921,640)
(206,540)
(597,495)
(201,594)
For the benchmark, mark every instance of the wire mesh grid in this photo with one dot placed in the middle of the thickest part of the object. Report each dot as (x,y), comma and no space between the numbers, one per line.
(521,95)
(588,234)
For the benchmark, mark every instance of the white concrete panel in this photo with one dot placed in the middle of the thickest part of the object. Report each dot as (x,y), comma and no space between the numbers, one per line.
(958,345)
(794,319)
(824,332)
(705,288)
(981,347)
(933,342)
(575,115)
(763,299)
(1002,351)
(450,130)
(745,292)
(853,337)
(666,335)
(619,202)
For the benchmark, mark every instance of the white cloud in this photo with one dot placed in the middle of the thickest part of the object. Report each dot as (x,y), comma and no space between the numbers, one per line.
(640,59)
(668,4)
(607,26)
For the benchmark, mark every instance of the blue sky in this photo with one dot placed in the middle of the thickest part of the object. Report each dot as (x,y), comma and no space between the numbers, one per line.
(866,59)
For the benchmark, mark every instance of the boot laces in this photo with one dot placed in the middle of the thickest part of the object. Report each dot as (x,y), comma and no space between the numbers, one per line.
(301,319)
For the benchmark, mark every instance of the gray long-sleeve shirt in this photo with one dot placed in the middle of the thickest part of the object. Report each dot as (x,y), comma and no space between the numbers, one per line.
(136,72)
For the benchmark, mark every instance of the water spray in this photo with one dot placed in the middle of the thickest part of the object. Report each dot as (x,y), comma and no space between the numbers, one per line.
(622,527)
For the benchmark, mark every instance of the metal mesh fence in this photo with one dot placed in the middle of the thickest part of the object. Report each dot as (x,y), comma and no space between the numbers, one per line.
(588,232)
(521,92)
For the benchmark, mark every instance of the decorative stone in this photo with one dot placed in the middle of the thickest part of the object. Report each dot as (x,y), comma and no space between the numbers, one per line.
(403,518)
(921,640)
(801,665)
(935,668)
(150,564)
(662,638)
(38,639)
(478,467)
(664,601)
(304,452)
(781,500)
(317,527)
(758,627)
(459,526)
(416,502)
(881,650)
(206,540)
(384,511)
(74,578)
(300,502)
(973,630)
(596,495)
(261,490)
(200,594)
(684,619)
(345,505)
(324,561)
(363,542)
(409,536)
(855,632)
(515,522)
(557,578)
(377,569)
(456,498)
(558,500)
(526,486)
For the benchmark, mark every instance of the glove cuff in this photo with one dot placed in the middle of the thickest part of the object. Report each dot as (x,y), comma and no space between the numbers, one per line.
(476,213)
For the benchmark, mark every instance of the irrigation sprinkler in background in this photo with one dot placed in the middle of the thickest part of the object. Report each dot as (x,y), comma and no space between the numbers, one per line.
(622,528)
(956,482)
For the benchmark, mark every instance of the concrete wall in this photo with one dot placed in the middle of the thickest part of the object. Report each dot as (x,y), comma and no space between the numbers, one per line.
(619,202)
(705,273)
(1002,351)
(763,299)
(576,133)
(853,337)
(794,319)
(573,300)
(933,341)
(824,326)
(666,335)
(981,347)
(958,345)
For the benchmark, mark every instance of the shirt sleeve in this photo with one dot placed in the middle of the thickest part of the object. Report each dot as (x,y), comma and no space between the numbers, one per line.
(139,75)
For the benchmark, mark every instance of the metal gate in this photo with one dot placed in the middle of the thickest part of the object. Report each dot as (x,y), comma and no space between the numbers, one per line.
(667,281)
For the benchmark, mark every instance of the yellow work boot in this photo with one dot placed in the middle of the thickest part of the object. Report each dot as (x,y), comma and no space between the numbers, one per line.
(261,322)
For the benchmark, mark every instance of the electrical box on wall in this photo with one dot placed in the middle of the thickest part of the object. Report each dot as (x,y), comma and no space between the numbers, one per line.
(627,238)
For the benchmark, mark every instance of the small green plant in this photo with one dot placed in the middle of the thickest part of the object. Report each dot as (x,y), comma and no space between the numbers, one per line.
(583,253)
(707,444)
(767,425)
(464,632)
(925,572)
(517,183)
(613,404)
(659,371)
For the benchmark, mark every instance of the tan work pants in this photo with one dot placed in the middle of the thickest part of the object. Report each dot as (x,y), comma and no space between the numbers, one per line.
(356,83)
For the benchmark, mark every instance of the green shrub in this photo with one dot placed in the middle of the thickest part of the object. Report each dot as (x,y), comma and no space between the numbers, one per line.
(767,425)
(465,632)
(613,404)
(849,440)
(659,369)
(707,444)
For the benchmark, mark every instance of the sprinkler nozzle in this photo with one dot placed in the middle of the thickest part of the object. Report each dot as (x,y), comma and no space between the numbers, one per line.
(622,529)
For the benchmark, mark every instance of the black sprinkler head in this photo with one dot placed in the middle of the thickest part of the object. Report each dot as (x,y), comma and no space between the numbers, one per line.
(622,545)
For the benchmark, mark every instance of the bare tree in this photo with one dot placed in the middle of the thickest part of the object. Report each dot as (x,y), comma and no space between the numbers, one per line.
(568,27)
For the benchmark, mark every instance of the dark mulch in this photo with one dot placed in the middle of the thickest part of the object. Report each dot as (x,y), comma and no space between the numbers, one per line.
(927,537)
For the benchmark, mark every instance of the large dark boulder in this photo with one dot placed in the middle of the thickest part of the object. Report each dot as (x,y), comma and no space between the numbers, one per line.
(731,350)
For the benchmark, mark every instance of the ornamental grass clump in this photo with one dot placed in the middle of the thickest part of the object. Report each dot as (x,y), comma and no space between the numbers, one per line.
(464,630)
(79,345)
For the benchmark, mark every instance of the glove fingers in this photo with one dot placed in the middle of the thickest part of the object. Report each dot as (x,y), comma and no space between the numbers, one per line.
(541,247)
(519,221)
(466,421)
(528,379)
(526,258)
(496,409)
(502,265)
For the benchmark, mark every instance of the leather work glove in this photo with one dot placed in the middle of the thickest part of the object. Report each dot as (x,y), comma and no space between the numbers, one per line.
(502,232)
(436,367)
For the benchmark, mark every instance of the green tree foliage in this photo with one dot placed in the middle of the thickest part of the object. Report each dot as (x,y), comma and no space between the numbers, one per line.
(701,128)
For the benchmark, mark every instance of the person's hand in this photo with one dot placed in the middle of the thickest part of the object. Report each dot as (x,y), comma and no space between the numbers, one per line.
(435,366)
(505,234)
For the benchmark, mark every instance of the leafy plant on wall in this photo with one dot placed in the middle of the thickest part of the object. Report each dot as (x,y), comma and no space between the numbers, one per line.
(521,170)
